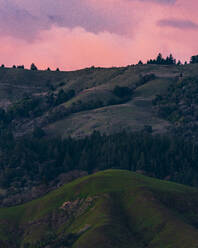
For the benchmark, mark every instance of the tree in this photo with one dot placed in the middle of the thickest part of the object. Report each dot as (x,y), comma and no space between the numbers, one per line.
(159,59)
(48,69)
(20,67)
(2,66)
(33,67)
(140,63)
(179,62)
(148,129)
(170,60)
(14,66)
(122,92)
(151,61)
(2,114)
(194,59)
(38,132)
(57,69)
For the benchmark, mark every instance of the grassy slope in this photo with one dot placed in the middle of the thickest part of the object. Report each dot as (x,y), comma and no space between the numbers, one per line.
(130,210)
(132,116)
(95,85)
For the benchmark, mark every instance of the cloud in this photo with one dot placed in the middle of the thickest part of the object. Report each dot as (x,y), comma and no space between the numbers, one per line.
(159,1)
(69,49)
(79,33)
(25,18)
(180,24)
(76,48)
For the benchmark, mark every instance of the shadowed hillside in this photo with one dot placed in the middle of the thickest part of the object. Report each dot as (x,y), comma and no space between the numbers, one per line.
(77,103)
(40,98)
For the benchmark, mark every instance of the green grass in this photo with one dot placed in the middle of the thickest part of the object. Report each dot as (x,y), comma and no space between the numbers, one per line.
(128,208)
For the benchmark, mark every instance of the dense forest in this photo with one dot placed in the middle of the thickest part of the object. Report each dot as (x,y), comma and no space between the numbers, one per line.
(36,159)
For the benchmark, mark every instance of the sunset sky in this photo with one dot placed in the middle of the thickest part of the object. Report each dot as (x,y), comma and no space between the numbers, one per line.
(72,34)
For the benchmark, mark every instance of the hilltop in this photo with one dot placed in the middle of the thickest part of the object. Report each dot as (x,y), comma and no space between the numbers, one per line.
(113,208)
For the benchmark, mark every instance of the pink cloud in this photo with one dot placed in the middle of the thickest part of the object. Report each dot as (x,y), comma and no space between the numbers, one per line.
(67,49)
(138,36)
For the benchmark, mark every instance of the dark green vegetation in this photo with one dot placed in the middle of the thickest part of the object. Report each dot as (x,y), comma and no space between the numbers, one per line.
(161,61)
(36,160)
(194,59)
(179,105)
(113,208)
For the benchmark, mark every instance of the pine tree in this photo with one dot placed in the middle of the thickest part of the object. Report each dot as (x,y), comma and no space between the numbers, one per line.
(140,63)
(159,59)
(33,67)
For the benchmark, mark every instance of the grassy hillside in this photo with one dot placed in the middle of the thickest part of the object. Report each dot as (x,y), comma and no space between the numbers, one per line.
(112,208)
(94,106)
(93,101)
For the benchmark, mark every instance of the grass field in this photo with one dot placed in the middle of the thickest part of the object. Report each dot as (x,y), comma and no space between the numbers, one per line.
(126,210)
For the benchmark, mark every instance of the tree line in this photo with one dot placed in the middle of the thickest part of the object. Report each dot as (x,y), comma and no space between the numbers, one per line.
(169,60)
(36,159)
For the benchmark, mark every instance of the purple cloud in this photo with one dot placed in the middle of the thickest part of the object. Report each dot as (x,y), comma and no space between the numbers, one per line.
(179,24)
(25,19)
(159,1)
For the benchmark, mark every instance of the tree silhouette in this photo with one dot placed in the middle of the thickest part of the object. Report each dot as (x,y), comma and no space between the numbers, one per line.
(33,67)
(159,59)
(194,59)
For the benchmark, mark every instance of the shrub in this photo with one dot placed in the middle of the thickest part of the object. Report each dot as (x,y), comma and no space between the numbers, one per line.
(122,92)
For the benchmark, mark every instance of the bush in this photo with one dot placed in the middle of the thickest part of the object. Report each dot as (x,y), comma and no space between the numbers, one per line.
(38,132)
(122,92)
(20,67)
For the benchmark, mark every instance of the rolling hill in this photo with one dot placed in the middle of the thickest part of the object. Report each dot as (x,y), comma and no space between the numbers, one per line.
(112,208)
(38,98)
(94,99)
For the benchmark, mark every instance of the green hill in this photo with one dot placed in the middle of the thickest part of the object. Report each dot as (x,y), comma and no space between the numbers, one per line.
(113,208)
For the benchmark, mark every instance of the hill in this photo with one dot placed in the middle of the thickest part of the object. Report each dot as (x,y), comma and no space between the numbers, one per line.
(62,102)
(147,112)
(113,208)
(77,103)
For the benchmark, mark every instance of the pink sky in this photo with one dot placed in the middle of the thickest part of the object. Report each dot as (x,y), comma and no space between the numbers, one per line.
(81,33)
